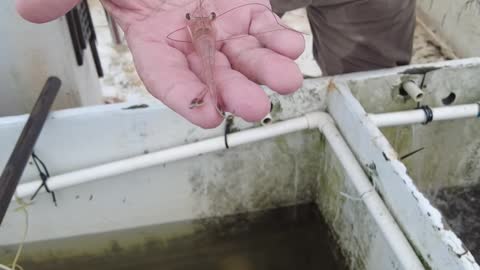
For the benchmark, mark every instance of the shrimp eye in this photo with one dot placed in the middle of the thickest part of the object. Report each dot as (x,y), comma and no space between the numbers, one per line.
(188,16)
(213,15)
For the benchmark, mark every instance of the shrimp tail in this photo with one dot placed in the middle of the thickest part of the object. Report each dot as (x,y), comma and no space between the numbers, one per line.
(220,106)
(199,100)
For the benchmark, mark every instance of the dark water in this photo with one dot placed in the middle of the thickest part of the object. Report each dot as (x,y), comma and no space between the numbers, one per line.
(461,208)
(285,238)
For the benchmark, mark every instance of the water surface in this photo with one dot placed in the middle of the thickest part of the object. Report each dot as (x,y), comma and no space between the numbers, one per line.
(285,238)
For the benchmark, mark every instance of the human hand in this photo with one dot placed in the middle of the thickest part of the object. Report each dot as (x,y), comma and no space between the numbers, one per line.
(171,70)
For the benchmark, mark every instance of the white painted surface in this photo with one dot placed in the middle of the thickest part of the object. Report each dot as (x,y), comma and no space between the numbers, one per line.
(456,22)
(421,222)
(31,53)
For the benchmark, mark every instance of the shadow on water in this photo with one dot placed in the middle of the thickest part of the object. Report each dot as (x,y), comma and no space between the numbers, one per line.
(286,238)
(461,208)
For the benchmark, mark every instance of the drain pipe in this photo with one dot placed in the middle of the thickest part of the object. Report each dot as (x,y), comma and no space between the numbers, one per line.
(318,120)
(413,90)
(425,115)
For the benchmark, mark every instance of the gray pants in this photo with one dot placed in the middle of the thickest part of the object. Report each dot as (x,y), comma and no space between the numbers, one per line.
(358,35)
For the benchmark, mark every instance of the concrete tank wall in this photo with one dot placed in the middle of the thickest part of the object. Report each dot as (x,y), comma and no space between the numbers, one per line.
(456,22)
(30,53)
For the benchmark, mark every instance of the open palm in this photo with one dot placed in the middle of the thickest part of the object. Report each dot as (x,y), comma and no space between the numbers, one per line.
(171,70)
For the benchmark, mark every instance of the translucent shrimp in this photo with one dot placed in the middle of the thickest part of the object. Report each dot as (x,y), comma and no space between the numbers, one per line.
(203,34)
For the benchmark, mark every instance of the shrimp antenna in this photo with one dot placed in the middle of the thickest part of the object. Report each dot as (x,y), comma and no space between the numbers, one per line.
(267,8)
(177,40)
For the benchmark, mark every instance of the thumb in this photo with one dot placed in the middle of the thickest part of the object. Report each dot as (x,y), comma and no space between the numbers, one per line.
(42,11)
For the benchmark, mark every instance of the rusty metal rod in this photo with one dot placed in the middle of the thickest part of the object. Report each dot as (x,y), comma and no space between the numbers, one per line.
(23,149)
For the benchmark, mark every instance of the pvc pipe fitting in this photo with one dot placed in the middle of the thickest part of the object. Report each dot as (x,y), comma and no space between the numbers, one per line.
(267,120)
(413,90)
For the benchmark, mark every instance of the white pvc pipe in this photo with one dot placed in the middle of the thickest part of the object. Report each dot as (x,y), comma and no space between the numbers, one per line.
(418,116)
(267,120)
(413,90)
(161,157)
(386,223)
(392,233)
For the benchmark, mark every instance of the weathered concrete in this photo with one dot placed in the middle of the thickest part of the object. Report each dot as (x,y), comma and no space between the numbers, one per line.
(448,163)
(31,53)
(455,22)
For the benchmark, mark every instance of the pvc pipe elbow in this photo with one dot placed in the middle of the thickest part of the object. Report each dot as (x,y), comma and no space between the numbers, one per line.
(318,120)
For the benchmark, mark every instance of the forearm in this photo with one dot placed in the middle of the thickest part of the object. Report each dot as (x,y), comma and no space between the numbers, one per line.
(41,11)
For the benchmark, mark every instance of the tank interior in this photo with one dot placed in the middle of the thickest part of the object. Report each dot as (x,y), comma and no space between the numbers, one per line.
(441,157)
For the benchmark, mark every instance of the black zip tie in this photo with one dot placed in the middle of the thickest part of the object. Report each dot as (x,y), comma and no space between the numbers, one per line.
(428,113)
(411,153)
(44,175)
(228,125)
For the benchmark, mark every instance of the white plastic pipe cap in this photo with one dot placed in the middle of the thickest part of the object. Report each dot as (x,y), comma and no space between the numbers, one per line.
(413,90)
